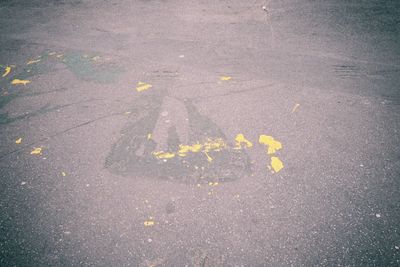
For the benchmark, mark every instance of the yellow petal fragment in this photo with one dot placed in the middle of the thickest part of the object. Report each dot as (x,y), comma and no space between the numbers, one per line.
(143,86)
(272,144)
(63,174)
(148,223)
(295,107)
(276,164)
(18,81)
(240,139)
(163,155)
(225,78)
(7,70)
(32,61)
(149,136)
(36,151)
(18,141)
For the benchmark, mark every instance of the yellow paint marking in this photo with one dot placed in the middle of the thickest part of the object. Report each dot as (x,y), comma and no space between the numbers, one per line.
(272,144)
(7,70)
(276,164)
(163,155)
(143,86)
(32,61)
(295,107)
(206,147)
(148,223)
(18,81)
(18,141)
(149,136)
(209,159)
(225,78)
(36,151)
(63,174)
(240,139)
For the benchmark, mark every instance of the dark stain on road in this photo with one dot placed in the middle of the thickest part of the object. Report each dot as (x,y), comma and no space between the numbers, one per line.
(132,155)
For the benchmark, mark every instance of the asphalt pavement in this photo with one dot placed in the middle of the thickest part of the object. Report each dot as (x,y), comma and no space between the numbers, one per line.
(199,133)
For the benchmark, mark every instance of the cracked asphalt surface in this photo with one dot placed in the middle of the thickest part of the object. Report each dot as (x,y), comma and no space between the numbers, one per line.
(133,133)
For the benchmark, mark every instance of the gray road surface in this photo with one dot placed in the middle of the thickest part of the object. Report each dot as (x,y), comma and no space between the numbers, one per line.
(199,133)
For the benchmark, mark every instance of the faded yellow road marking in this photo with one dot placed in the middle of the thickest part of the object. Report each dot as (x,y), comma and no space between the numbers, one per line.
(32,61)
(7,70)
(240,139)
(18,81)
(143,86)
(225,78)
(36,151)
(148,223)
(276,164)
(272,144)
(163,155)
(295,107)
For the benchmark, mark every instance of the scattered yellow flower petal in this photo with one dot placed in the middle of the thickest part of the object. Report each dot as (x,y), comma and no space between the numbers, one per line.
(32,61)
(272,144)
(63,174)
(225,78)
(276,164)
(18,141)
(18,81)
(240,139)
(143,86)
(148,223)
(295,107)
(6,71)
(149,136)
(36,151)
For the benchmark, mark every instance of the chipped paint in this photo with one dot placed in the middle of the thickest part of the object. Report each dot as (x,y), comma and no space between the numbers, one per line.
(241,140)
(18,81)
(295,107)
(7,70)
(18,141)
(36,151)
(276,164)
(32,61)
(148,223)
(225,78)
(163,155)
(143,86)
(272,144)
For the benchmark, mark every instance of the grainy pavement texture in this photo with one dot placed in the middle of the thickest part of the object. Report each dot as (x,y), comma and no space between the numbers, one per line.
(199,133)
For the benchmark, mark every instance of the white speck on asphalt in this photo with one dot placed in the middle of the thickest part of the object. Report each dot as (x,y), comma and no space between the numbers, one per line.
(23,183)
(377,215)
